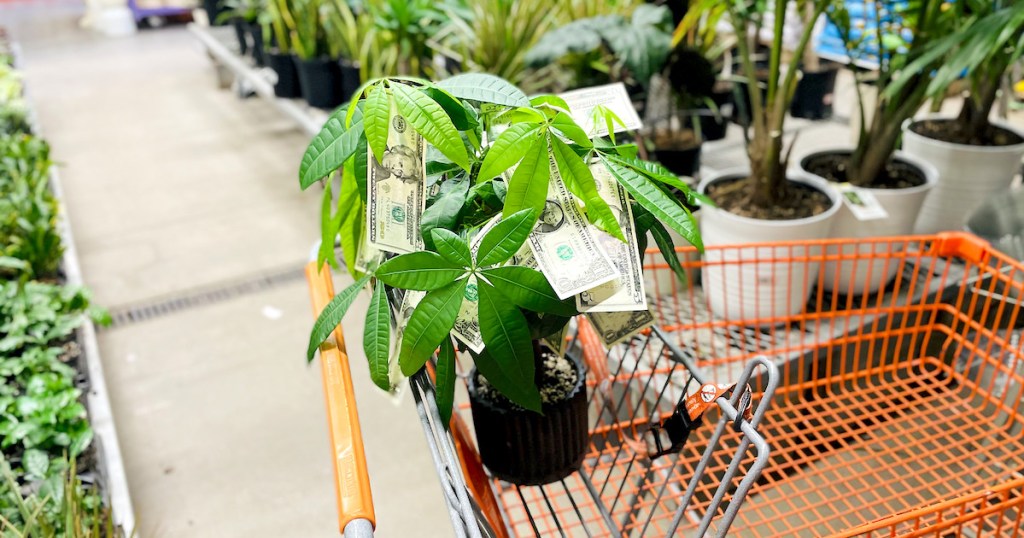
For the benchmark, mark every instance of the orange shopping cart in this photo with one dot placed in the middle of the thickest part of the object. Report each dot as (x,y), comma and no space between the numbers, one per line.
(888,405)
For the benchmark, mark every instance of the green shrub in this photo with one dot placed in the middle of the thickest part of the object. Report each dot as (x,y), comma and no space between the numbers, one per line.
(28,210)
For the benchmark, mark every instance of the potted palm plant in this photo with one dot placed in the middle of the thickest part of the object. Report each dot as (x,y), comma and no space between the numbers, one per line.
(319,72)
(763,202)
(280,16)
(529,222)
(346,31)
(975,156)
(899,182)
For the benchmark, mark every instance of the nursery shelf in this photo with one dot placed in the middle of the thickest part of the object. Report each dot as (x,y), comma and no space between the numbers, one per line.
(218,42)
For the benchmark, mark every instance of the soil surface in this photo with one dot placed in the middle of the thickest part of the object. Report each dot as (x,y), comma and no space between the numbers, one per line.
(797,201)
(555,379)
(675,140)
(895,175)
(952,131)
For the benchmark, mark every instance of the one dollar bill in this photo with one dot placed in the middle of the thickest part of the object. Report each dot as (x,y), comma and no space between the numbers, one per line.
(395,194)
(615,327)
(625,293)
(564,244)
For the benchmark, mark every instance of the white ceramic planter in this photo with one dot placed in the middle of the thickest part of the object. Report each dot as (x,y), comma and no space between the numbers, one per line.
(874,266)
(968,175)
(738,285)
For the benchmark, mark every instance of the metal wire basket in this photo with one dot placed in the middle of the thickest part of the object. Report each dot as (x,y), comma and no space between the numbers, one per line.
(896,410)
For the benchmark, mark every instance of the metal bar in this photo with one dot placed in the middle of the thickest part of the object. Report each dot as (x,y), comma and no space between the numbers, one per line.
(359,528)
(257,80)
(600,506)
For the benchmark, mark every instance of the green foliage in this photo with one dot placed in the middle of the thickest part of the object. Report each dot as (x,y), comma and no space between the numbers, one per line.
(28,210)
(490,156)
(59,506)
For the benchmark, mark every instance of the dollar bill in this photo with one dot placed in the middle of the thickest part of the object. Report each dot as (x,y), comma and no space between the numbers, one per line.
(614,327)
(625,293)
(467,323)
(410,299)
(368,257)
(559,341)
(565,246)
(396,197)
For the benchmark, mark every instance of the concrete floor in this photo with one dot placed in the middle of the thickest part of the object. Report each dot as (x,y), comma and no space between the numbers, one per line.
(173,185)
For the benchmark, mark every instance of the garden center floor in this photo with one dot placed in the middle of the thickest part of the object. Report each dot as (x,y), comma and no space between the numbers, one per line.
(176,190)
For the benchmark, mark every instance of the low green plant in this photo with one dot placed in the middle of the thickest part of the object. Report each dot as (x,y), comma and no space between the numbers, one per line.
(491,156)
(58,506)
(28,210)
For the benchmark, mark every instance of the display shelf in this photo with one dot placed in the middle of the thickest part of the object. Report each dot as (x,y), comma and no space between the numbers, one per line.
(218,43)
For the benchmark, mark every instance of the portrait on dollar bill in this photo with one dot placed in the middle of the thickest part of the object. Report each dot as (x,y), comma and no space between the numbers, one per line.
(401,162)
(552,218)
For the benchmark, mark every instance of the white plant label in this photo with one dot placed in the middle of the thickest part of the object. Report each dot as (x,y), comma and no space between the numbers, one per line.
(862,203)
(613,96)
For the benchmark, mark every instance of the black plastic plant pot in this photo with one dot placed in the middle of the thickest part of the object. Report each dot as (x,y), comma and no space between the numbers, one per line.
(684,162)
(258,49)
(242,33)
(320,80)
(713,127)
(812,98)
(350,79)
(214,9)
(525,448)
(287,85)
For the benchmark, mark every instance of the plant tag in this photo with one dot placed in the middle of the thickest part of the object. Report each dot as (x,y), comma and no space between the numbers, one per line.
(613,96)
(670,435)
(862,203)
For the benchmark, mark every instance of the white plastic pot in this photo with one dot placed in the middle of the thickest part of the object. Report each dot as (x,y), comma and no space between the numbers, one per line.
(968,175)
(743,283)
(872,266)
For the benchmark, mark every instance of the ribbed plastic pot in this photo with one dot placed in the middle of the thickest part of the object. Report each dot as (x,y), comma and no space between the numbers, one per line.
(968,175)
(869,269)
(683,162)
(525,448)
(350,79)
(320,80)
(761,292)
(287,83)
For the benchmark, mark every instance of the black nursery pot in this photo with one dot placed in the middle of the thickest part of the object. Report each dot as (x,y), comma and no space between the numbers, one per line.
(812,98)
(214,9)
(684,162)
(528,449)
(258,52)
(350,79)
(287,84)
(242,33)
(320,80)
(714,127)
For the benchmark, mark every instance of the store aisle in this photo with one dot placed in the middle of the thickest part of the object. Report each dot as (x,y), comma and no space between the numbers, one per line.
(175,188)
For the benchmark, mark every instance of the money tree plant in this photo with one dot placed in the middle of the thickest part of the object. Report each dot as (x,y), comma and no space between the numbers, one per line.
(461,173)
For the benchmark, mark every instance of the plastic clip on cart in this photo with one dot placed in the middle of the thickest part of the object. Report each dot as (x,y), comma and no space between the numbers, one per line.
(896,413)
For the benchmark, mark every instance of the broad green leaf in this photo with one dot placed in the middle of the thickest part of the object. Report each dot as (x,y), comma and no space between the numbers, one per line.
(550,100)
(485,89)
(377,337)
(431,322)
(451,247)
(330,148)
(461,117)
(424,271)
(668,249)
(654,171)
(445,380)
(571,130)
(36,463)
(580,181)
(332,314)
(376,120)
(508,149)
(330,223)
(507,339)
(506,238)
(523,393)
(430,121)
(667,209)
(444,212)
(350,108)
(361,159)
(528,187)
(529,289)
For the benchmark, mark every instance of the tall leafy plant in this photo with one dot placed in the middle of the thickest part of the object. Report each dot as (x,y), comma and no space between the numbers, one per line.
(493,151)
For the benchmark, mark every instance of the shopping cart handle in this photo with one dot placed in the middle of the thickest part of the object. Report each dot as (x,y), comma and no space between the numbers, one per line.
(352,482)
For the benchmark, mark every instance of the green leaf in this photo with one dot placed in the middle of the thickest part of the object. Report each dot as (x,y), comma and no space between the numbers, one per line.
(654,171)
(329,149)
(568,127)
(431,121)
(580,181)
(431,322)
(445,211)
(377,337)
(529,289)
(351,226)
(424,271)
(361,159)
(666,208)
(329,226)
(507,339)
(452,247)
(376,120)
(36,463)
(445,381)
(508,149)
(550,100)
(462,118)
(332,314)
(506,238)
(528,187)
(668,249)
(485,89)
